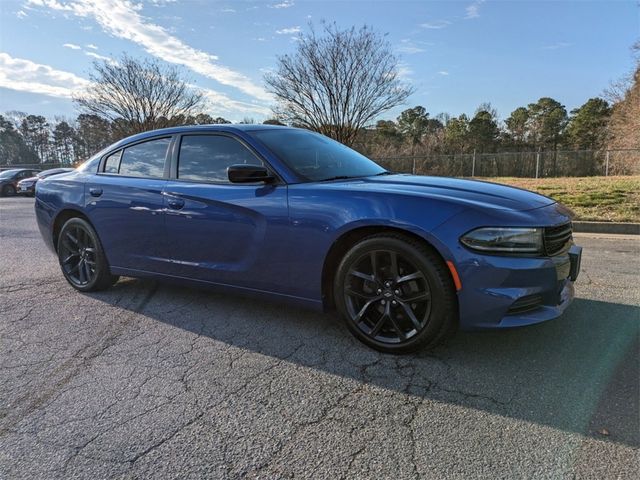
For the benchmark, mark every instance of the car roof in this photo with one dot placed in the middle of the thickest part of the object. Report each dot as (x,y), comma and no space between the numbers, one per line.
(221,127)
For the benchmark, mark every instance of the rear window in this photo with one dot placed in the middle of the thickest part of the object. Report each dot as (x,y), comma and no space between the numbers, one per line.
(142,160)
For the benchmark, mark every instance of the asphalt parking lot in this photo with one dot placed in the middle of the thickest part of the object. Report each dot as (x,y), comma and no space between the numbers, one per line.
(151,380)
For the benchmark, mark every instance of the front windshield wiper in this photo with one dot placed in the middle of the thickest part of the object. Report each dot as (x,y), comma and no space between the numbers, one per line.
(339,177)
(386,172)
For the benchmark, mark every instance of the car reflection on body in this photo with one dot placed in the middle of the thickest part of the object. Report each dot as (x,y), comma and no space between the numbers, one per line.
(292,215)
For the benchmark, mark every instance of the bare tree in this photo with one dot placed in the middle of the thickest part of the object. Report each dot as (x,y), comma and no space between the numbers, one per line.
(138,95)
(337,81)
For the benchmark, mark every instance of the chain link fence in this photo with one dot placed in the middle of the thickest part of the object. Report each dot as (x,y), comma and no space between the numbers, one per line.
(561,163)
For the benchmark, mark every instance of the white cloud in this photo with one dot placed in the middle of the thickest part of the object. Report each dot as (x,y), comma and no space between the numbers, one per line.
(121,19)
(283,4)
(21,14)
(410,47)
(101,57)
(404,72)
(228,10)
(557,46)
(91,46)
(436,25)
(220,104)
(72,46)
(443,72)
(27,76)
(289,31)
(473,10)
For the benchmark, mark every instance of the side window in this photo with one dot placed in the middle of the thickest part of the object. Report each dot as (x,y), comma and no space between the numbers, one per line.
(207,157)
(112,163)
(145,159)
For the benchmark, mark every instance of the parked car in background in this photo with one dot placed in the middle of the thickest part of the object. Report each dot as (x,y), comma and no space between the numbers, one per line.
(9,180)
(290,214)
(27,186)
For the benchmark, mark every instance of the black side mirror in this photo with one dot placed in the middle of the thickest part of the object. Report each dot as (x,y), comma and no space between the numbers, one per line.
(249,174)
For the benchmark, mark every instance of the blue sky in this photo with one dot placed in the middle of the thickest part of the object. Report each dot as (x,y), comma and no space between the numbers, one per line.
(457,54)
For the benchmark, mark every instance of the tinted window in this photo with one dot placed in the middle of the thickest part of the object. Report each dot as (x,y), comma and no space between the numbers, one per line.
(112,164)
(145,159)
(316,157)
(206,157)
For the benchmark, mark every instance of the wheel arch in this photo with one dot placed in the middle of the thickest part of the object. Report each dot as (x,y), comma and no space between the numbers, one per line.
(351,237)
(61,218)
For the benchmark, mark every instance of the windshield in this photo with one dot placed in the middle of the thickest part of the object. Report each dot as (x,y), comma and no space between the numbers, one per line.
(315,157)
(8,173)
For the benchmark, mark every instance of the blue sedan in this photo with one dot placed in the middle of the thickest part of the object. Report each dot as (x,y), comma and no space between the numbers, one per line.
(292,215)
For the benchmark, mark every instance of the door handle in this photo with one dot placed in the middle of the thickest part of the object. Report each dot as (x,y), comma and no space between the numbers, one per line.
(95,192)
(175,203)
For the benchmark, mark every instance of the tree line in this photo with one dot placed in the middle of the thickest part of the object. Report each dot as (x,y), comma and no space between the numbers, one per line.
(29,139)
(541,125)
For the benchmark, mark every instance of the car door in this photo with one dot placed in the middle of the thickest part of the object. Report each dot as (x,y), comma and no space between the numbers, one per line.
(125,204)
(218,231)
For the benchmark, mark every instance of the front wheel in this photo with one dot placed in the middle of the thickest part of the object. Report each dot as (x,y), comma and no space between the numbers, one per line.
(395,294)
(81,257)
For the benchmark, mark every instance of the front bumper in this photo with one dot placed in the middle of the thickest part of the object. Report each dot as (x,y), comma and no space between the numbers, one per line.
(503,292)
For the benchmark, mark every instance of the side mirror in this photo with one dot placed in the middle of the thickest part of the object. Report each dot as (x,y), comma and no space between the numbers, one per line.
(249,174)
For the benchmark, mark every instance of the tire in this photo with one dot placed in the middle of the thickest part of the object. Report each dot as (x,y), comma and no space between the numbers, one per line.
(82,258)
(396,306)
(8,191)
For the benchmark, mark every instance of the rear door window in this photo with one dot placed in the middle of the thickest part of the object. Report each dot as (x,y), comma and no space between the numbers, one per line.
(112,163)
(145,159)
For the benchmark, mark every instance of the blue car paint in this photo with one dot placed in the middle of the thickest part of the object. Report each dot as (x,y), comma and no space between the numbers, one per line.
(274,239)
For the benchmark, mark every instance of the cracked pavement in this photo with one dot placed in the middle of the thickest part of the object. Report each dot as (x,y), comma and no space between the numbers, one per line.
(151,380)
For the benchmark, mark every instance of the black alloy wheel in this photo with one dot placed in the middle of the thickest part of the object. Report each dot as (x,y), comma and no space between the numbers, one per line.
(395,294)
(81,258)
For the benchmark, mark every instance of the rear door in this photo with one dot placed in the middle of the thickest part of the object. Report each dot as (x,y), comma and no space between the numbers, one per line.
(223,232)
(125,203)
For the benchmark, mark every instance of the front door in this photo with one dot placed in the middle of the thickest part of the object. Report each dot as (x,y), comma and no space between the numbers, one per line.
(223,232)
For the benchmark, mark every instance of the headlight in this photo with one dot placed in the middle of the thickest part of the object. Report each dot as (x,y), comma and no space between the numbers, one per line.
(504,240)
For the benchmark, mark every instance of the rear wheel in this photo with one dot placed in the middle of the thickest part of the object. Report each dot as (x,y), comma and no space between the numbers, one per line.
(8,191)
(395,294)
(81,257)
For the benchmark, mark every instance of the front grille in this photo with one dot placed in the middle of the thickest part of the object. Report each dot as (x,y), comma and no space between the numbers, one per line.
(555,238)
(525,304)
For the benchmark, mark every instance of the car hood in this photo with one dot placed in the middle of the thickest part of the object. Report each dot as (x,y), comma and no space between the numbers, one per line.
(468,192)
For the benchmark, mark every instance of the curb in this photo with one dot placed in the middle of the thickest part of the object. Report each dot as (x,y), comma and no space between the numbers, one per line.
(607,227)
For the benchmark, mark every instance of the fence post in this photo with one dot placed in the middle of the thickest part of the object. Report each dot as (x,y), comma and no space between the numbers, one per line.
(473,164)
(413,168)
(537,163)
(606,164)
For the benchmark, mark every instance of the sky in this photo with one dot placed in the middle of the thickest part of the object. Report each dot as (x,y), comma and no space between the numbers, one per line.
(456,54)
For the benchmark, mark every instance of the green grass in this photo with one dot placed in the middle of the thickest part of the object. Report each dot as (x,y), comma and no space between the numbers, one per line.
(601,199)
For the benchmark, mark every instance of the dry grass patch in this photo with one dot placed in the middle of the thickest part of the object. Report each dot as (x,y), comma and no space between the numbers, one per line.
(601,199)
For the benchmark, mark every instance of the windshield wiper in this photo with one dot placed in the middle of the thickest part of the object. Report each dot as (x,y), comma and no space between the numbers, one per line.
(386,172)
(338,177)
